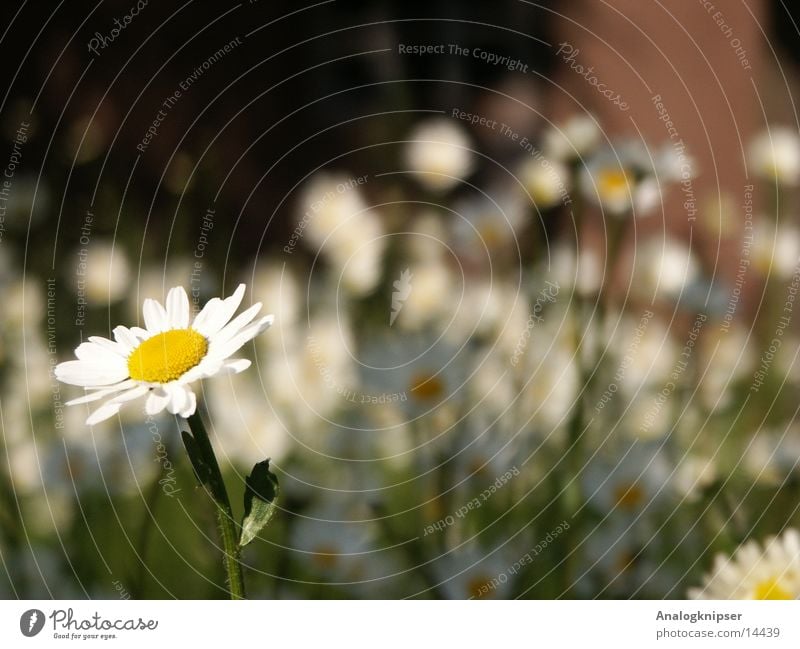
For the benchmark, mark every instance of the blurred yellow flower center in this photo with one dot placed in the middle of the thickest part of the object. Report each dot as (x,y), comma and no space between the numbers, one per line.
(628,496)
(325,557)
(426,387)
(612,182)
(478,587)
(770,589)
(490,234)
(166,356)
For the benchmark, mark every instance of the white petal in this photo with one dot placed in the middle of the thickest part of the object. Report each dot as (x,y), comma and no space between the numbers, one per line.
(95,353)
(191,404)
(207,367)
(235,366)
(99,394)
(235,343)
(178,308)
(178,398)
(89,374)
(156,402)
(217,317)
(235,325)
(110,345)
(205,313)
(141,334)
(130,395)
(103,412)
(126,337)
(155,316)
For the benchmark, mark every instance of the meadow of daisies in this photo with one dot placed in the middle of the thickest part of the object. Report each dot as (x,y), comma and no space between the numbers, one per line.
(461,393)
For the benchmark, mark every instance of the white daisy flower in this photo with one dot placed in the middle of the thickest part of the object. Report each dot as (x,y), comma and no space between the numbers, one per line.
(771,572)
(665,267)
(472,573)
(573,139)
(345,229)
(107,275)
(628,481)
(548,182)
(164,358)
(775,155)
(431,298)
(488,227)
(775,249)
(694,474)
(334,542)
(630,179)
(440,153)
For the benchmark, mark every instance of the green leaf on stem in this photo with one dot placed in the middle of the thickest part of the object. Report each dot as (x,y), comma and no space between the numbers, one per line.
(202,471)
(260,497)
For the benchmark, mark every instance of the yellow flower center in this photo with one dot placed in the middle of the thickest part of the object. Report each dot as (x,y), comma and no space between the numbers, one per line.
(426,387)
(770,589)
(167,356)
(612,183)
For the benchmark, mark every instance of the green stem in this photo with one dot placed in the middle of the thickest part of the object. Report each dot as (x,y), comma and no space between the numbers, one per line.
(227,525)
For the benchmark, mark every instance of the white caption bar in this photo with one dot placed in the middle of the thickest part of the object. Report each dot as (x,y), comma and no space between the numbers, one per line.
(396,624)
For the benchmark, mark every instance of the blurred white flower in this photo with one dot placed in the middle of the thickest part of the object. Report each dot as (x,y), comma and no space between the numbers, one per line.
(772,457)
(665,267)
(486,228)
(311,374)
(440,153)
(334,544)
(775,248)
(693,474)
(24,305)
(647,196)
(726,358)
(494,311)
(107,275)
(239,407)
(470,573)
(625,178)
(426,239)
(613,556)
(775,155)
(547,182)
(589,272)
(484,456)
(359,263)
(340,225)
(609,184)
(574,139)
(648,416)
(278,284)
(674,165)
(491,389)
(419,373)
(582,272)
(645,355)
(431,298)
(756,572)
(550,380)
(629,481)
